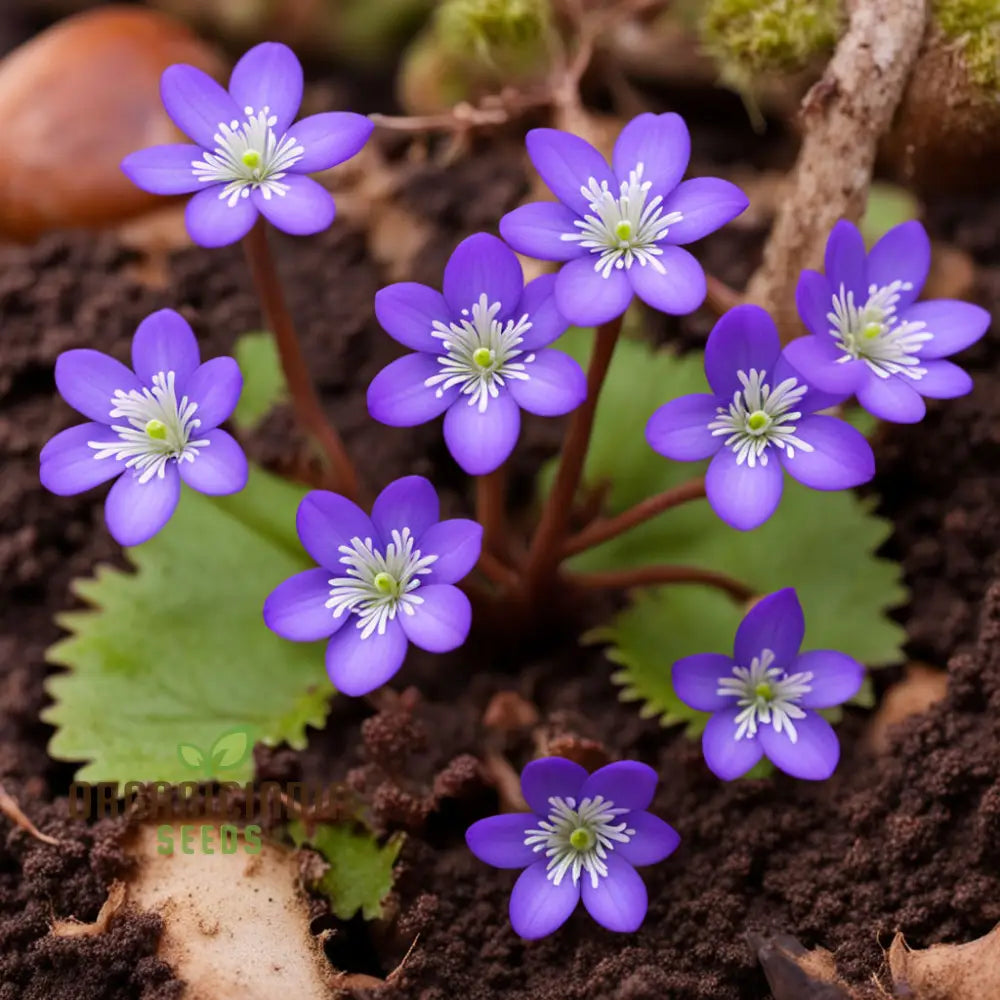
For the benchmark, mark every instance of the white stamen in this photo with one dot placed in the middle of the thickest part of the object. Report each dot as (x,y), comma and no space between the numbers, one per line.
(377,585)
(760,416)
(158,431)
(623,229)
(482,354)
(873,332)
(767,695)
(592,823)
(249,156)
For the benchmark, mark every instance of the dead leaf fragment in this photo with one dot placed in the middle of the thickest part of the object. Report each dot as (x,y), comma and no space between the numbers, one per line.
(968,971)
(794,973)
(74,928)
(920,688)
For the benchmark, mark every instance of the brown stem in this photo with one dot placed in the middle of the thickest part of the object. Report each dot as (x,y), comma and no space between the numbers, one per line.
(490,491)
(494,570)
(610,527)
(305,401)
(721,297)
(546,546)
(647,576)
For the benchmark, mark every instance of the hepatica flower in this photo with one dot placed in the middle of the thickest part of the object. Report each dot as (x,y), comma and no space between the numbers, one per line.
(758,422)
(247,157)
(763,698)
(583,838)
(481,356)
(383,582)
(619,227)
(871,337)
(151,427)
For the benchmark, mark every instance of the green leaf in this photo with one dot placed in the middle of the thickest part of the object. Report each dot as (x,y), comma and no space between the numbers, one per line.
(822,544)
(230,749)
(361,870)
(177,652)
(191,756)
(263,378)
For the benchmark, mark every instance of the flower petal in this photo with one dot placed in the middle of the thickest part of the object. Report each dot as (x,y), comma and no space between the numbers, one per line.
(539,304)
(537,906)
(943,380)
(679,429)
(844,261)
(212,222)
(399,397)
(296,609)
(841,455)
(358,666)
(586,298)
(457,544)
(330,138)
(744,338)
(407,312)
(661,143)
(619,901)
(955,325)
(776,623)
(136,511)
(678,291)
(727,757)
(902,254)
(483,265)
(654,839)
(895,398)
(325,521)
(69,465)
(567,163)
(814,299)
(219,469)
(164,169)
(499,840)
(305,207)
(88,380)
(835,677)
(706,204)
(817,359)
(482,441)
(743,497)
(165,342)
(814,754)
(537,230)
(442,622)
(628,783)
(696,680)
(410,502)
(215,386)
(197,105)
(268,76)
(551,777)
(814,398)
(556,385)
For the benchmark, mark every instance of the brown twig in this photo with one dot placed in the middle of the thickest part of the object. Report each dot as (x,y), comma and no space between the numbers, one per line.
(490,496)
(493,569)
(13,812)
(721,297)
(650,576)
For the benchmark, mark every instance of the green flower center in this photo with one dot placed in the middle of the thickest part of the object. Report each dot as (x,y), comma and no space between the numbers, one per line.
(758,422)
(623,230)
(872,329)
(763,690)
(483,357)
(385,582)
(156,429)
(582,839)
(251,158)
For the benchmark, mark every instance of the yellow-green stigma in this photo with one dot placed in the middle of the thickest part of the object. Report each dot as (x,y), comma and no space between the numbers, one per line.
(483,357)
(156,429)
(582,839)
(623,230)
(251,159)
(385,583)
(763,690)
(757,421)
(871,330)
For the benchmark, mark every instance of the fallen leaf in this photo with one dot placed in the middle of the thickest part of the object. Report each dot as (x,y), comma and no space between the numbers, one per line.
(794,973)
(920,688)
(968,971)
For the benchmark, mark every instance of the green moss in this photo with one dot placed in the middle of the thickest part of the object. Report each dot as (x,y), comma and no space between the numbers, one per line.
(975,25)
(492,28)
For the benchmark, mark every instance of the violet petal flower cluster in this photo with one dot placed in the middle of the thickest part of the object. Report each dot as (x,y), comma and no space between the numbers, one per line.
(152,427)
(383,582)
(247,157)
(582,839)
(764,697)
(481,354)
(758,422)
(618,227)
(870,337)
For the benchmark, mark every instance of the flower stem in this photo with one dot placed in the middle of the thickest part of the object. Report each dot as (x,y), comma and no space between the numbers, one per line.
(720,297)
(490,491)
(546,546)
(646,576)
(305,401)
(610,527)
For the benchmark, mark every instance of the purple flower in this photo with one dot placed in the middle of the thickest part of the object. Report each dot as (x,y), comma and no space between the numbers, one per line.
(582,837)
(870,335)
(481,354)
(763,697)
(151,427)
(618,227)
(759,420)
(247,157)
(391,576)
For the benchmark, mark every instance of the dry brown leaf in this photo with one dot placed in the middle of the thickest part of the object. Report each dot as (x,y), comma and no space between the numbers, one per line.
(968,971)
(74,928)
(920,688)
(794,973)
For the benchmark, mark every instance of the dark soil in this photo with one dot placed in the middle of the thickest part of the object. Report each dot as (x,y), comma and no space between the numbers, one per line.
(903,841)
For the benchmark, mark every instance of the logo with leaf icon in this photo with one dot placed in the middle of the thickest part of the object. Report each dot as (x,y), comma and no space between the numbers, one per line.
(227,752)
